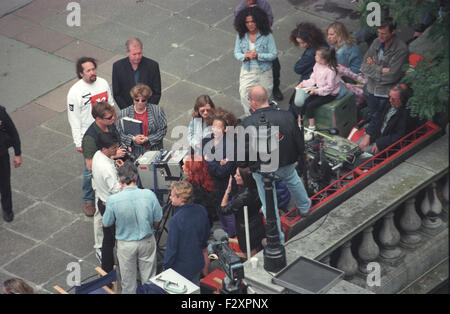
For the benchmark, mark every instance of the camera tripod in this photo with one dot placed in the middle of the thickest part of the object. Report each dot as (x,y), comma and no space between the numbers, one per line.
(163,227)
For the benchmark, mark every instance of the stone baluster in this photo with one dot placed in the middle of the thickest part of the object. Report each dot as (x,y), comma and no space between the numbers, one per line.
(432,207)
(445,197)
(410,223)
(368,251)
(389,239)
(346,262)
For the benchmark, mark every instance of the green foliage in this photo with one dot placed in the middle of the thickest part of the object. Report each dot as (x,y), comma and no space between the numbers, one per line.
(430,79)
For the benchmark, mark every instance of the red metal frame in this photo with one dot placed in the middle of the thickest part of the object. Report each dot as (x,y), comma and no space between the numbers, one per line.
(356,175)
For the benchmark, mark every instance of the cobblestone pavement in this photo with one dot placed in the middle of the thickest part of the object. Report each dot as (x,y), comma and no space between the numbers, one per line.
(193,42)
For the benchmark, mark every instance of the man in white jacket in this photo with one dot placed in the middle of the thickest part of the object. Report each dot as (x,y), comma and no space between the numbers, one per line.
(82,96)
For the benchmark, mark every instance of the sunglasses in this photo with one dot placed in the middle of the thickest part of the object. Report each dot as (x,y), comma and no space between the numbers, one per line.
(140,100)
(108,118)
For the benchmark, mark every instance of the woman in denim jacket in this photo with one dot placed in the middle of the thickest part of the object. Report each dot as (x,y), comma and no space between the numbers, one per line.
(255,48)
(349,58)
(348,53)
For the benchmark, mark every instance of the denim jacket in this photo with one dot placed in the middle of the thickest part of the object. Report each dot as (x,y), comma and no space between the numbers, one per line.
(265,47)
(350,57)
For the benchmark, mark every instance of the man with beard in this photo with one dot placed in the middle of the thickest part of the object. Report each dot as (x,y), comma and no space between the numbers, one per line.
(82,96)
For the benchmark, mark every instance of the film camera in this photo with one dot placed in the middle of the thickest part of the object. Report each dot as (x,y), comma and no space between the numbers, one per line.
(157,169)
(229,262)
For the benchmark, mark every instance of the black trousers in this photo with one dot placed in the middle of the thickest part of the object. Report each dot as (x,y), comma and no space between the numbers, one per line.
(312,103)
(5,183)
(109,241)
(276,68)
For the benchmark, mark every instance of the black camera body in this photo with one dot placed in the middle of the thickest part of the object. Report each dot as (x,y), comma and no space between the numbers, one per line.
(128,155)
(229,262)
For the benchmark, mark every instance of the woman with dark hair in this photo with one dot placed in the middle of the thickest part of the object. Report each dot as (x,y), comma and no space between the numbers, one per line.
(16,286)
(218,153)
(194,166)
(310,38)
(153,118)
(246,195)
(201,118)
(255,48)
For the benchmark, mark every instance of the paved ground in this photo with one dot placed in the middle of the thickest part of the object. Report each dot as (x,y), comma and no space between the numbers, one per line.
(193,42)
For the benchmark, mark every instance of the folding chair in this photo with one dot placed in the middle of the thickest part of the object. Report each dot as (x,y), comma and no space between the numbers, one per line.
(97,286)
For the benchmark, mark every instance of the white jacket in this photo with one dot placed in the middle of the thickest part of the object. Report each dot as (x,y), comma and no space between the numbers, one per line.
(80,100)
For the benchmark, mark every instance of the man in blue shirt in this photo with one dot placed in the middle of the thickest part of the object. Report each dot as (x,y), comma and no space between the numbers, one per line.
(135,212)
(189,231)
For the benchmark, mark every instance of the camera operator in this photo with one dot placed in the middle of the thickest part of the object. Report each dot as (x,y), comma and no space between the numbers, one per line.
(103,114)
(290,150)
(189,231)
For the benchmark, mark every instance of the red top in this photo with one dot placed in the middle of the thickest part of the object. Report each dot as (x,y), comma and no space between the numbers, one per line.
(144,118)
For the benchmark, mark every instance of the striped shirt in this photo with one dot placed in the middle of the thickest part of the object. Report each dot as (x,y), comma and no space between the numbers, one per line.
(157,129)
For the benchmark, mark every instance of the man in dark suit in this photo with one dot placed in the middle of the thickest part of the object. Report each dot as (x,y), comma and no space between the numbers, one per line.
(134,69)
(391,123)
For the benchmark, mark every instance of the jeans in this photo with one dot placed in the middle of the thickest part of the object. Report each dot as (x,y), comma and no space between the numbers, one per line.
(295,186)
(88,191)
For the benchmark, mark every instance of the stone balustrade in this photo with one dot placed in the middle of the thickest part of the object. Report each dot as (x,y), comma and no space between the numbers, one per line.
(396,226)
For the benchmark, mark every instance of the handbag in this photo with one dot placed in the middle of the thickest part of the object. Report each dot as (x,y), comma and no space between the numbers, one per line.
(300,97)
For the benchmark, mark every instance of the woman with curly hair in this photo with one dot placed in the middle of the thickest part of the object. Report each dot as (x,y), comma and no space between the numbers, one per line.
(194,166)
(255,48)
(309,37)
(201,118)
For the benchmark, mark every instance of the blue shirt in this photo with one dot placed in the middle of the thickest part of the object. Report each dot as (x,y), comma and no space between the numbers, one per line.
(133,211)
(189,232)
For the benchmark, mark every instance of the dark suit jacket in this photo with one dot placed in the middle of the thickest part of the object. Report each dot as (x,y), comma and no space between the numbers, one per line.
(395,129)
(123,80)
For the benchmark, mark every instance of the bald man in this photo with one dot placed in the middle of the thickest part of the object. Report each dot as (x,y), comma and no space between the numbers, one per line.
(134,69)
(291,149)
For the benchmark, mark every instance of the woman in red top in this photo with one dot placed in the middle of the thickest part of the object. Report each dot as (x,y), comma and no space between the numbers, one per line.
(153,118)
(194,166)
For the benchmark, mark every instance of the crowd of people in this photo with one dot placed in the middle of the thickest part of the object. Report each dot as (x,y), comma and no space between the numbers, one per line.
(216,187)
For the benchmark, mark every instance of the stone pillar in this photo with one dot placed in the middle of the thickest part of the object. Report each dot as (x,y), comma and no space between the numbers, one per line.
(368,250)
(347,263)
(410,223)
(431,208)
(389,239)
